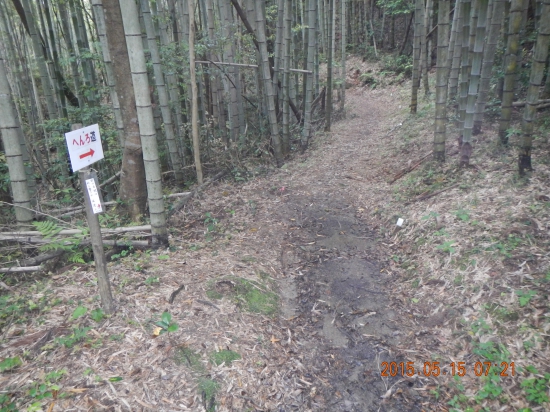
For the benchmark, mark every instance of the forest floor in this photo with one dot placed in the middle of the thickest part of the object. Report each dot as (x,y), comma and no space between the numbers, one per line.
(291,289)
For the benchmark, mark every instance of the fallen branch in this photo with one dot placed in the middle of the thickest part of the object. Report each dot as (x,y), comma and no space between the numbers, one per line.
(181,203)
(41,258)
(252,66)
(111,179)
(20,269)
(540,103)
(410,168)
(430,195)
(80,209)
(318,99)
(178,194)
(42,241)
(144,228)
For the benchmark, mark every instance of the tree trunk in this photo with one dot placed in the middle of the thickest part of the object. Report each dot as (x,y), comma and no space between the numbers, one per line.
(12,134)
(140,82)
(540,57)
(465,63)
(268,85)
(510,72)
(133,190)
(194,94)
(309,80)
(229,53)
(425,61)
(466,143)
(175,159)
(286,77)
(441,81)
(111,83)
(41,63)
(454,59)
(330,43)
(488,59)
(418,19)
(343,64)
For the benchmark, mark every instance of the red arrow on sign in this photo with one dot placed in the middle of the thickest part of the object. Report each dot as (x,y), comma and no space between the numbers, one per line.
(90,153)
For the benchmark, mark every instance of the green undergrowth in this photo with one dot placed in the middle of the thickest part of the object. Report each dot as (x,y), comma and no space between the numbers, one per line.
(224,356)
(251,295)
(206,385)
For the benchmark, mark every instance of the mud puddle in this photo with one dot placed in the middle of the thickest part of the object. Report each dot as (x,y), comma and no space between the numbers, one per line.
(335,299)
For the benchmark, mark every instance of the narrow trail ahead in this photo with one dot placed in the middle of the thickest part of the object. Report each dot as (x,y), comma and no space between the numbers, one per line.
(334,292)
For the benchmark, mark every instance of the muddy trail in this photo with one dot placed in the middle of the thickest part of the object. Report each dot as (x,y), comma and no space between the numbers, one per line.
(340,304)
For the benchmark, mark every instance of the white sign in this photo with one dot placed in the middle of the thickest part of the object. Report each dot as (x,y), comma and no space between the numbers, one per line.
(94,196)
(84,146)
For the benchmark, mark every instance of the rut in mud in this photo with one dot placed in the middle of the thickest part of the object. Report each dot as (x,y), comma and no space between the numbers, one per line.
(339,301)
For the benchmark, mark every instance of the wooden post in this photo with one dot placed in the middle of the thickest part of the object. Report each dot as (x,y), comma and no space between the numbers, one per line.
(107,302)
(97,246)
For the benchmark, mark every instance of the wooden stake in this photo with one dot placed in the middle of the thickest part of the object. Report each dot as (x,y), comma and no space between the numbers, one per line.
(103,283)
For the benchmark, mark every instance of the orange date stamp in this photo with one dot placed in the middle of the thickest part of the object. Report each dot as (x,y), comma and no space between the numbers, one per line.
(453,369)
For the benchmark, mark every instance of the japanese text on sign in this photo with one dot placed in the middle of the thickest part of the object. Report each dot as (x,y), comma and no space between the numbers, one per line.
(94,196)
(84,146)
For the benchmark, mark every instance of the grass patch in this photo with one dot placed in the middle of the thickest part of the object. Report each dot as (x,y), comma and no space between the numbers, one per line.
(187,356)
(208,389)
(226,356)
(206,386)
(252,296)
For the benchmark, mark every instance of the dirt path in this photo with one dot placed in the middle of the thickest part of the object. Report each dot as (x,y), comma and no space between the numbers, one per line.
(335,290)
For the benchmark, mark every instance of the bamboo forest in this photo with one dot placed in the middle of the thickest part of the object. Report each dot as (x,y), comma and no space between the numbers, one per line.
(275,205)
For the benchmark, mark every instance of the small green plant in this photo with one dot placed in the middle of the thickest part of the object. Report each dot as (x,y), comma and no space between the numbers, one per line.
(10,363)
(186,355)
(165,324)
(71,244)
(447,246)
(123,253)
(78,312)
(462,214)
(226,356)
(210,222)
(6,405)
(117,337)
(431,215)
(536,388)
(70,340)
(151,280)
(97,315)
(47,388)
(525,296)
(208,389)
